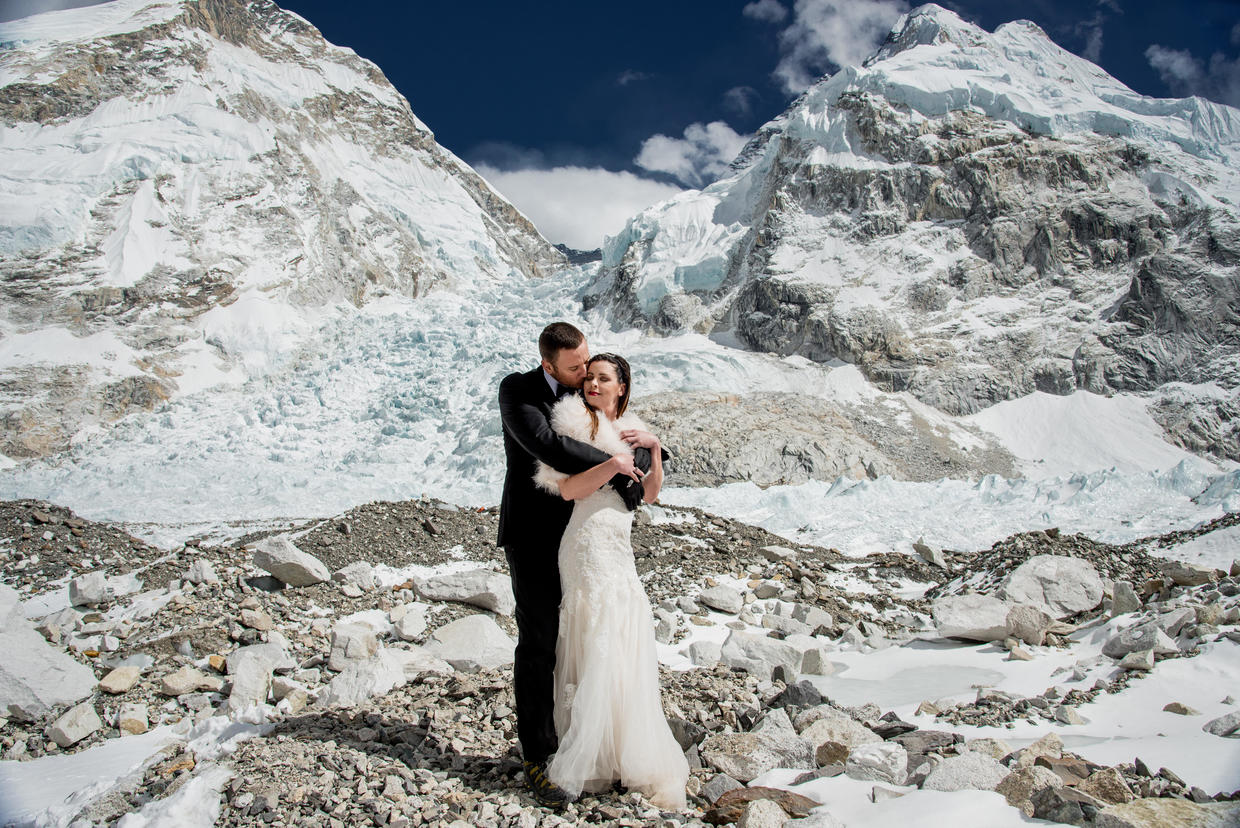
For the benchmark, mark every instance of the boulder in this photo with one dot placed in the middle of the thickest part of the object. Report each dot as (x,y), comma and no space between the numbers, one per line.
(1183,574)
(359,573)
(1124,599)
(388,669)
(1169,813)
(1066,586)
(705,653)
(410,621)
(722,598)
(718,785)
(75,724)
(744,756)
(289,564)
(35,677)
(188,680)
(1181,709)
(1107,785)
(90,590)
(973,617)
(1226,726)
(972,771)
(256,620)
(251,669)
(132,718)
(759,655)
(878,762)
(762,813)
(273,652)
(1028,623)
(201,571)
(472,643)
(120,680)
(1140,660)
(351,643)
(1147,636)
(1019,786)
(479,587)
(731,804)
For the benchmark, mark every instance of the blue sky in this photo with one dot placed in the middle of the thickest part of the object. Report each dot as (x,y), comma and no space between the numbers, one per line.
(583,113)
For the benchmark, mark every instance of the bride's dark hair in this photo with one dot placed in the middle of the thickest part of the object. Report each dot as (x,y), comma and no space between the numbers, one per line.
(623,374)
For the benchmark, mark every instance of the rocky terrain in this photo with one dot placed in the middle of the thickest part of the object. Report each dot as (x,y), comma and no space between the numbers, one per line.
(363,664)
(969,216)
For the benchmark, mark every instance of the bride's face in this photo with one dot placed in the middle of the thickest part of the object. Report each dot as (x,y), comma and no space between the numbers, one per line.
(602,387)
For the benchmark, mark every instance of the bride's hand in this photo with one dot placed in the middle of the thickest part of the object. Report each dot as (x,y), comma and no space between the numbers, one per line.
(636,438)
(624,465)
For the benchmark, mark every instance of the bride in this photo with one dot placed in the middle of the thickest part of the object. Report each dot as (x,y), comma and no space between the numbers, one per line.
(608,715)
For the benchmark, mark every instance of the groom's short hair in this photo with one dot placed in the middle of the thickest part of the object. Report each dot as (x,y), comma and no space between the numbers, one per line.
(556,337)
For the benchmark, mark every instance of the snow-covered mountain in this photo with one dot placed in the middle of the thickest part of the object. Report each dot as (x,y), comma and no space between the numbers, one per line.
(971,217)
(190,187)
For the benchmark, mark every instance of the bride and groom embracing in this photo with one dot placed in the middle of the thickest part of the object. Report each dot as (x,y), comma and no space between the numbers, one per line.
(585,675)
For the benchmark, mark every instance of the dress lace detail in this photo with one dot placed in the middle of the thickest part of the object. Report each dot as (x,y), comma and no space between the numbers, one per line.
(608,714)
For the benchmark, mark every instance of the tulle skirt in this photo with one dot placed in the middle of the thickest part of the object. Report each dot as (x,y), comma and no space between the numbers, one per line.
(608,714)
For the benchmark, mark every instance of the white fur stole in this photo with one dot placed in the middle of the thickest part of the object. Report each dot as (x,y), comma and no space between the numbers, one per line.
(570,418)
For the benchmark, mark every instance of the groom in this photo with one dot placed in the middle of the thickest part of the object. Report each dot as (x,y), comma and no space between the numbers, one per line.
(531,522)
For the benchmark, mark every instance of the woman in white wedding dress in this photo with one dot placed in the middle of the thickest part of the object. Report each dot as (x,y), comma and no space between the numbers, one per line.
(608,715)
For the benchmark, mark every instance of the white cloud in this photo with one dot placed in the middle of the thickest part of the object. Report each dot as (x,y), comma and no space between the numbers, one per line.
(577,206)
(1187,75)
(739,99)
(768,11)
(827,34)
(698,158)
(630,75)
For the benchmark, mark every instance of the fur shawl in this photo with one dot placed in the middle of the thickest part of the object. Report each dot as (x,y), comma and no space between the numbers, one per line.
(570,418)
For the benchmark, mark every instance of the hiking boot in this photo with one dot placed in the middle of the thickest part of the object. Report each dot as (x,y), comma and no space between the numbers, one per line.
(544,790)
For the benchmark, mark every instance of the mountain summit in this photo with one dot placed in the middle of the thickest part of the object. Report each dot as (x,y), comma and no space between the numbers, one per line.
(971,217)
(187,184)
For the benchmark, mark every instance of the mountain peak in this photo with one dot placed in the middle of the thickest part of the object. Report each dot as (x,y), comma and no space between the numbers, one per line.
(927,25)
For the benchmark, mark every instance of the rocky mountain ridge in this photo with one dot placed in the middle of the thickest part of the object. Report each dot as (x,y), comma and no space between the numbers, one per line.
(971,217)
(191,185)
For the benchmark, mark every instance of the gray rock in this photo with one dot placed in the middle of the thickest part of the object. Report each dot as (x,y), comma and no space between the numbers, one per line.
(812,616)
(1028,623)
(973,617)
(388,669)
(1148,636)
(1168,813)
(1124,599)
(34,676)
(775,554)
(1227,726)
(250,669)
(762,813)
(760,656)
(279,556)
(1140,660)
(718,785)
(91,590)
(478,587)
(272,652)
(722,598)
(187,680)
(930,554)
(1183,574)
(75,725)
(745,756)
(201,571)
(785,625)
(767,589)
(968,771)
(838,727)
(472,643)
(351,643)
(705,653)
(878,762)
(359,573)
(410,621)
(1019,786)
(1066,586)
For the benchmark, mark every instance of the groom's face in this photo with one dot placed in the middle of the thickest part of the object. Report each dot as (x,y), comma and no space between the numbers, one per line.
(569,365)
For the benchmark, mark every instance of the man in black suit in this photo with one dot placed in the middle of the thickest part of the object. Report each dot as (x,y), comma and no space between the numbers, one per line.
(531,522)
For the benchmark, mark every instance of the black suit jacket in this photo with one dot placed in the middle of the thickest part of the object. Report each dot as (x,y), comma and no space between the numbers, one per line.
(529,516)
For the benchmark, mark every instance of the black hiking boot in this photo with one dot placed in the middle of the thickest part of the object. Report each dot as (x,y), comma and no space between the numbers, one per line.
(547,793)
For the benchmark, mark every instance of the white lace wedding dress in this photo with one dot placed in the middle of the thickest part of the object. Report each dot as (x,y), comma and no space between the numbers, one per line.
(608,714)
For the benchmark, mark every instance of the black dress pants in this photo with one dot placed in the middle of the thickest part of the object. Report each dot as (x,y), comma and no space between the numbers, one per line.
(536,587)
